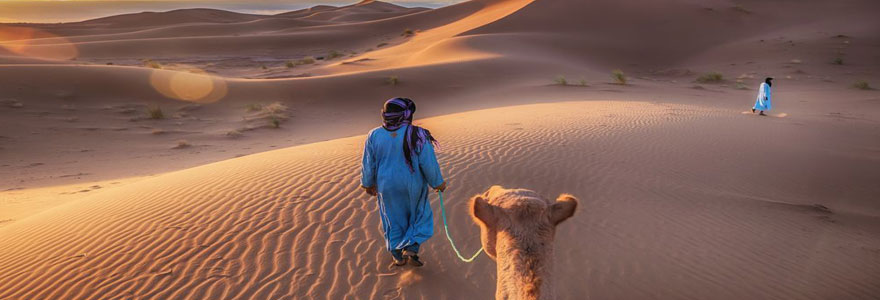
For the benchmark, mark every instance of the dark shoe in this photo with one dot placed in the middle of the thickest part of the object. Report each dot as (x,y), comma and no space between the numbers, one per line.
(397,262)
(413,258)
(753,110)
(762,113)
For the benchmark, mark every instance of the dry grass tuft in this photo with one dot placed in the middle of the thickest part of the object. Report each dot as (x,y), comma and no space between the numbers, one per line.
(155,112)
(152,64)
(711,77)
(560,80)
(181,144)
(334,54)
(862,85)
(233,133)
(618,77)
(393,80)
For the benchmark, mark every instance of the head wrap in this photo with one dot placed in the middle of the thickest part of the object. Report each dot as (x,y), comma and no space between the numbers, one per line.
(398,112)
(767,80)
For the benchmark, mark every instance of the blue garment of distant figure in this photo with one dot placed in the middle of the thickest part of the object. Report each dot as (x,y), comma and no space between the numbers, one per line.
(403,194)
(763,101)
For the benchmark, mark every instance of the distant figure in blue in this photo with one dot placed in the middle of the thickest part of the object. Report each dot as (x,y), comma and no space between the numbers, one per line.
(763,102)
(399,165)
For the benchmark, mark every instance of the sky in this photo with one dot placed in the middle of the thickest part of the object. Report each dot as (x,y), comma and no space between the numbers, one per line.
(53,11)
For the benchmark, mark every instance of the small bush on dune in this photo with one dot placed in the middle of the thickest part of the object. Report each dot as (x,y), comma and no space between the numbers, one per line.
(740,8)
(305,61)
(837,60)
(862,85)
(380,45)
(233,133)
(560,80)
(182,144)
(583,82)
(253,107)
(263,67)
(275,108)
(740,86)
(290,64)
(618,77)
(711,77)
(275,122)
(334,54)
(408,33)
(152,64)
(393,80)
(155,112)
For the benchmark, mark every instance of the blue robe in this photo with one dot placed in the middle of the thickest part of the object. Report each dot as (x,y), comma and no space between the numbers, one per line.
(763,101)
(403,195)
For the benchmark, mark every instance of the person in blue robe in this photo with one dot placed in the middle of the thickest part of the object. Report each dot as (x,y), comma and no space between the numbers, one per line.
(763,103)
(399,165)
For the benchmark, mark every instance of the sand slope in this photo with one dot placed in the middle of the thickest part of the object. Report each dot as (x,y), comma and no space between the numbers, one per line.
(734,217)
(686,195)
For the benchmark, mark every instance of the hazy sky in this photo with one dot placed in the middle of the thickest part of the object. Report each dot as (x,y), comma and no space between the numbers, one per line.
(51,11)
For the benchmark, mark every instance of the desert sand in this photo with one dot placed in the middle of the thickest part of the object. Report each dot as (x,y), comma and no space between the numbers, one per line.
(204,154)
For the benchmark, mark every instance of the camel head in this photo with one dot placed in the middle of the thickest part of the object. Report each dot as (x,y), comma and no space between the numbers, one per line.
(516,229)
(518,214)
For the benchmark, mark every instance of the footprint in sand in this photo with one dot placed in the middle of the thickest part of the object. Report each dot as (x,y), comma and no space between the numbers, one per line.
(779,115)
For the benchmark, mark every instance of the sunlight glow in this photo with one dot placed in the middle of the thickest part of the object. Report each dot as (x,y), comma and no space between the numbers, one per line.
(34,43)
(194,86)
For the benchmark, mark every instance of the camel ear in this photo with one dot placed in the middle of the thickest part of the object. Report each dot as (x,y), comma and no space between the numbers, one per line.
(563,208)
(482,211)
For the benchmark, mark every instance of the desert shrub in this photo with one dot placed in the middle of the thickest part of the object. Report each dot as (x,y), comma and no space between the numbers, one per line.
(253,107)
(306,61)
(182,144)
(740,86)
(152,64)
(862,85)
(740,8)
(711,77)
(275,122)
(380,45)
(233,133)
(408,32)
(583,82)
(618,77)
(263,67)
(837,60)
(334,54)
(560,80)
(155,112)
(393,80)
(275,108)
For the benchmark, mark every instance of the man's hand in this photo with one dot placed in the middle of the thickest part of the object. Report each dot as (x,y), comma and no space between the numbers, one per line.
(441,188)
(370,190)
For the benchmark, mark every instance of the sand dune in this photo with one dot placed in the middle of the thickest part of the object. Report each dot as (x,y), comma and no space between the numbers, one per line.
(285,224)
(685,193)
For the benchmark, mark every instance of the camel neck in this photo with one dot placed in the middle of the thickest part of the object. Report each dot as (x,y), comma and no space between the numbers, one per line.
(524,273)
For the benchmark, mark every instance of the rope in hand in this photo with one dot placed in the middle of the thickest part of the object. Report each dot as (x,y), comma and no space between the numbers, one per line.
(448,237)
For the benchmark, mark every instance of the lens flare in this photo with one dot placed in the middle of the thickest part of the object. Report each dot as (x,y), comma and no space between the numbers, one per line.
(35,43)
(193,86)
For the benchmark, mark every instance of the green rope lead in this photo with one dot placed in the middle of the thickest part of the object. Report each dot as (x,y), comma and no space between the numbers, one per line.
(446,228)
